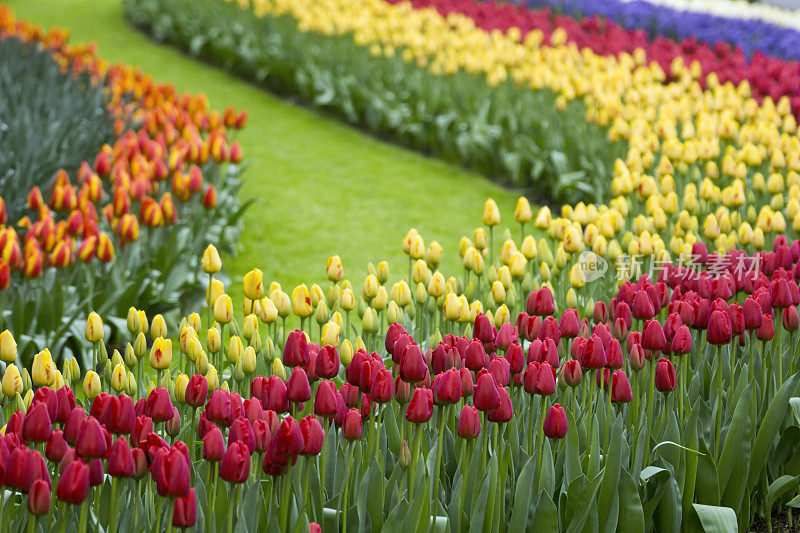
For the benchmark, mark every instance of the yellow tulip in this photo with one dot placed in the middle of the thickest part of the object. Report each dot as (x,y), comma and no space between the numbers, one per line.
(491,214)
(119,378)
(8,347)
(43,370)
(253,284)
(94,328)
(211,261)
(214,290)
(12,381)
(278,369)
(158,328)
(334,268)
(91,385)
(133,322)
(330,334)
(223,309)
(523,213)
(161,353)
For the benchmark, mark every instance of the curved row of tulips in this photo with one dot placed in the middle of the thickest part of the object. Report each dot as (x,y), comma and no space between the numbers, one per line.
(589,25)
(702,164)
(120,225)
(668,404)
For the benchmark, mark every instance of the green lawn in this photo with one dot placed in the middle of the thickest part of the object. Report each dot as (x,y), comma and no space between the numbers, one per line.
(321,187)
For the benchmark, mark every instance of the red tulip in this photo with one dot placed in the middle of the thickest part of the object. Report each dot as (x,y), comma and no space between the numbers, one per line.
(73,485)
(636,357)
(766,331)
(420,408)
(642,307)
(447,387)
(235,464)
(500,369)
(382,388)
(555,422)
(412,365)
(66,403)
(295,352)
(95,472)
(653,337)
(614,358)
(569,324)
(571,373)
(173,425)
(544,303)
(515,356)
(171,472)
(218,408)
(486,397)
(289,437)
(184,513)
(475,356)
(298,389)
(506,336)
(313,435)
(600,313)
(484,331)
(719,328)
(142,427)
(353,427)
(56,446)
(682,341)
(469,423)
(262,434)
(36,426)
(139,463)
(325,399)
(593,355)
(752,313)
(213,445)
(120,459)
(159,405)
(327,362)
(620,387)
(790,319)
(197,390)
(39,497)
(242,431)
(665,376)
(91,442)
(467,385)
(505,411)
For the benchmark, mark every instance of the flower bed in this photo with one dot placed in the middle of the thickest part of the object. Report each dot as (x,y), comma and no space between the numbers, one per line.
(509,133)
(124,219)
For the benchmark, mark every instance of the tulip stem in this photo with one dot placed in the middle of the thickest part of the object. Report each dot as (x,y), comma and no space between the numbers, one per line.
(83,517)
(435,488)
(113,527)
(608,410)
(415,444)
(350,454)
(650,406)
(532,411)
(31,522)
(468,448)
(718,421)
(540,441)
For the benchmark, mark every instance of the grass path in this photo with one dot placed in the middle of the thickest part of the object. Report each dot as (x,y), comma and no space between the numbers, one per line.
(322,188)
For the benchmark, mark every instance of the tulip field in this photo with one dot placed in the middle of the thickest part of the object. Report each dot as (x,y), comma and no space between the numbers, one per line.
(608,344)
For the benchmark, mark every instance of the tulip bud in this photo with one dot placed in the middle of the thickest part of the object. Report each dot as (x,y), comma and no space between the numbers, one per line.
(555,422)
(8,347)
(253,284)
(334,268)
(211,261)
(161,354)
(119,378)
(133,322)
(405,455)
(491,214)
(666,380)
(94,328)
(12,381)
(278,369)
(140,345)
(91,385)
(158,328)
(43,370)
(223,309)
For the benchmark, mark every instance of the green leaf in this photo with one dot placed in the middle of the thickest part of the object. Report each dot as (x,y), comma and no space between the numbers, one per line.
(779,488)
(716,519)
(735,458)
(375,495)
(546,517)
(610,481)
(630,506)
(770,424)
(522,496)
(585,504)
